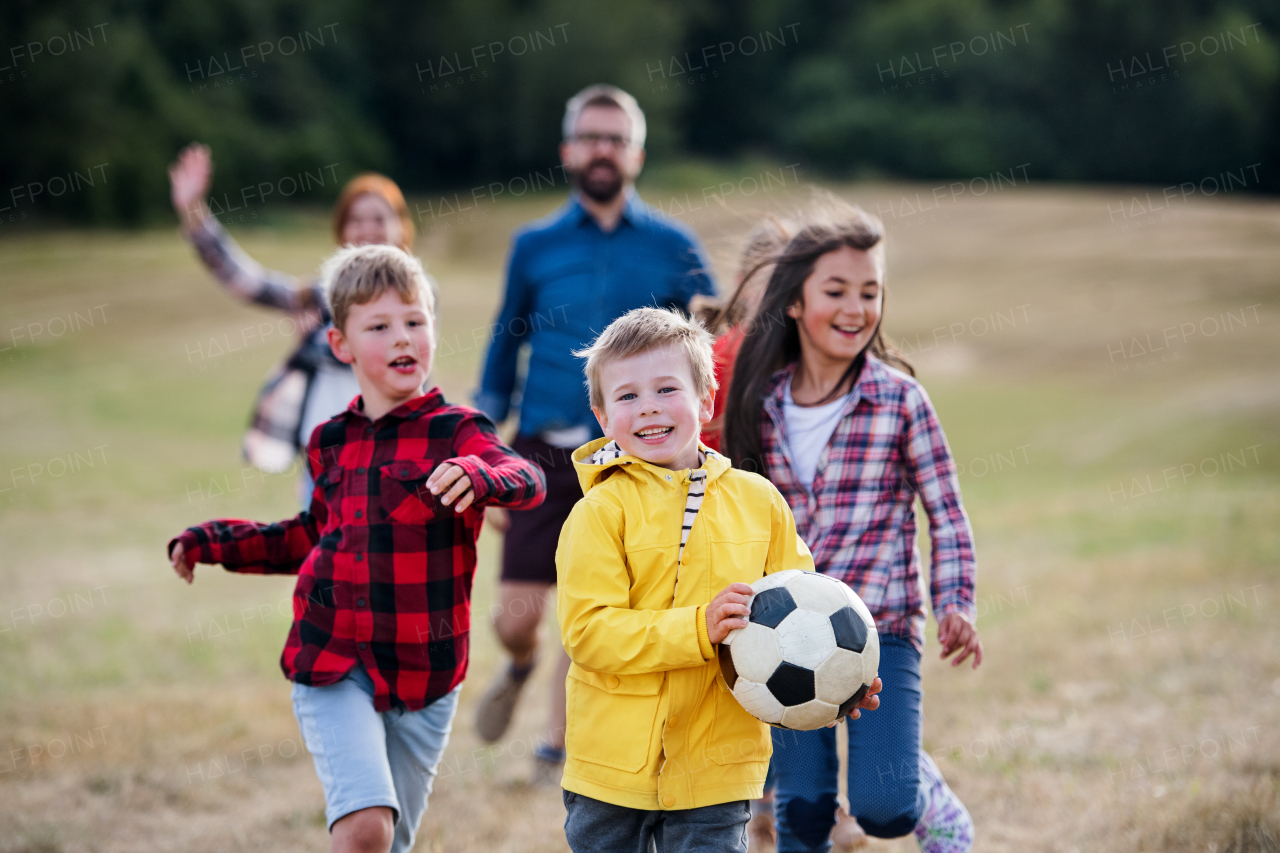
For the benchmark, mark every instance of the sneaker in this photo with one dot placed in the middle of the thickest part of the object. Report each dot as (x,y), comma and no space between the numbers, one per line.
(945,826)
(847,834)
(493,715)
(548,765)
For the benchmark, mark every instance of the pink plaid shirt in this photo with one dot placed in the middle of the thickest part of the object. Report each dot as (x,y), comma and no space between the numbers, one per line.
(858,520)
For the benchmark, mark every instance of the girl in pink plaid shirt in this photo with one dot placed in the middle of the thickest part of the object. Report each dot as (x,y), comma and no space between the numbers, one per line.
(825,409)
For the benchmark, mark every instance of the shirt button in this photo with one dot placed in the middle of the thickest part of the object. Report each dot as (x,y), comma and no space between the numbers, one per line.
(359,470)
(668,476)
(614,681)
(673,722)
(364,645)
(359,558)
(359,602)
(668,801)
(368,431)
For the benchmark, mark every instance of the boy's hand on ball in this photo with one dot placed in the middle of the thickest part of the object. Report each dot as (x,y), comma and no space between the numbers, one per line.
(728,611)
(870,701)
(182,563)
(453,481)
(956,633)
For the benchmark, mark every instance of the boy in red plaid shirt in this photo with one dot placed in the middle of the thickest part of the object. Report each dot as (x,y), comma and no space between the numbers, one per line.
(384,557)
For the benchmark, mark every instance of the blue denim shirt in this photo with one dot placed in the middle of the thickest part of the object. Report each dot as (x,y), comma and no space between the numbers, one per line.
(566,281)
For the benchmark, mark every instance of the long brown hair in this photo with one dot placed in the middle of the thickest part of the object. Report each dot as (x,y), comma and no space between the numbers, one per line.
(772,339)
(385,189)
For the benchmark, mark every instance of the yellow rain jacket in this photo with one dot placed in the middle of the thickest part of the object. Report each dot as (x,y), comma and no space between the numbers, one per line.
(651,724)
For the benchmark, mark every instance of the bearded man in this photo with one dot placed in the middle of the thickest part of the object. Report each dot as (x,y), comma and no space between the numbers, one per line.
(569,275)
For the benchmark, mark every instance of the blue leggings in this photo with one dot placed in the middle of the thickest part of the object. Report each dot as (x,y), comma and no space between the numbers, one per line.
(884,752)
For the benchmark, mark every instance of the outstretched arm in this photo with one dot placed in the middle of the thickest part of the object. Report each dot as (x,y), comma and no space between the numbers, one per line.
(252,547)
(498,377)
(190,177)
(486,472)
(248,547)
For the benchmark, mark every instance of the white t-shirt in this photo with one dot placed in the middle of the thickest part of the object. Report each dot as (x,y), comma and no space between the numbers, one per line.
(809,428)
(333,387)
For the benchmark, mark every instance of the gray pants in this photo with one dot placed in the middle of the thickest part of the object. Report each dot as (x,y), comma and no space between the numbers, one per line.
(595,826)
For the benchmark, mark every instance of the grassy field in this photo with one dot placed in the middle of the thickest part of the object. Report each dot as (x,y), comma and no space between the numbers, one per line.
(1109,383)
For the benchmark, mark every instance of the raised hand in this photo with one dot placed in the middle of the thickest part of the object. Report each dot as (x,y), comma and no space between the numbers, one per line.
(190,177)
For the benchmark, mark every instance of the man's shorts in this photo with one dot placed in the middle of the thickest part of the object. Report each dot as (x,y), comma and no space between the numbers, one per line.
(529,549)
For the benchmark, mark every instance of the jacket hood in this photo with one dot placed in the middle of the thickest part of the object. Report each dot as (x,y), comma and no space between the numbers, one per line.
(592,472)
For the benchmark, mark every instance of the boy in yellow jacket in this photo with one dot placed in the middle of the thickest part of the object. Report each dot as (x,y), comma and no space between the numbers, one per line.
(653,568)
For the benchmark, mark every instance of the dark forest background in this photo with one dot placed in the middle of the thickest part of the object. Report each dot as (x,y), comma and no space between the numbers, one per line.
(1083,90)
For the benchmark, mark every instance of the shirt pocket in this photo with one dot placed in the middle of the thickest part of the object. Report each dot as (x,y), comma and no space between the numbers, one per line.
(403,495)
(611,718)
(330,485)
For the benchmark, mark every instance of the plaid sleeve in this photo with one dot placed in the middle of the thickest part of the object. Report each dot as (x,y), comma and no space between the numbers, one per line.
(499,476)
(244,276)
(932,475)
(250,547)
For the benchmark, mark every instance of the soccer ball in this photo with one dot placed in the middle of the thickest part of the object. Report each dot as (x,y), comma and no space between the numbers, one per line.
(808,654)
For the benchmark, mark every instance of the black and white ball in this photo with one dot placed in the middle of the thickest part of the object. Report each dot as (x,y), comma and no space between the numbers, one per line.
(808,654)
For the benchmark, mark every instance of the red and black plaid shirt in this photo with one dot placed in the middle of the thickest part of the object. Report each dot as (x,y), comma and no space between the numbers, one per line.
(384,569)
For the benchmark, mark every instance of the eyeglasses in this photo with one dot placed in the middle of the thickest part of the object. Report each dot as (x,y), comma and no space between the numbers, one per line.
(613,140)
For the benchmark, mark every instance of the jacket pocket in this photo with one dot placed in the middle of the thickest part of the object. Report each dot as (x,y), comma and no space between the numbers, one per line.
(611,717)
(403,495)
(736,736)
(737,562)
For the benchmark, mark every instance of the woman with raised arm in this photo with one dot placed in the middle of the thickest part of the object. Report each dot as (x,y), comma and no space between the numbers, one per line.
(311,385)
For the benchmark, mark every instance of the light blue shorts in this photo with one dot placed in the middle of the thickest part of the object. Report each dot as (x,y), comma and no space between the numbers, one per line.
(365,758)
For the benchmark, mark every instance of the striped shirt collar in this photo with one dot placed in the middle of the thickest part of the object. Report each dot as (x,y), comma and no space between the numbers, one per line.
(611,451)
(693,499)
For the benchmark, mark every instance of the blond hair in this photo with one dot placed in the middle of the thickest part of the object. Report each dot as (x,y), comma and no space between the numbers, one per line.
(355,275)
(642,330)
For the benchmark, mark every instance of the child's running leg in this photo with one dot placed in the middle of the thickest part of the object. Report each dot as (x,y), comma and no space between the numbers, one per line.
(415,743)
(885,793)
(366,831)
(348,743)
(945,826)
(805,769)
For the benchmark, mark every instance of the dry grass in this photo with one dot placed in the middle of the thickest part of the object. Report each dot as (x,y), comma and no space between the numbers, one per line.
(1131,696)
